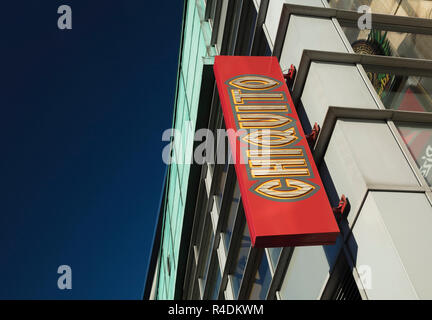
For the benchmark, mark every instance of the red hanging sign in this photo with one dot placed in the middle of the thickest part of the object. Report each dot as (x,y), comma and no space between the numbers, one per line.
(283,196)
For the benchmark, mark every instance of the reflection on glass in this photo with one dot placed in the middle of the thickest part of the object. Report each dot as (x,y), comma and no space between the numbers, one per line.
(241,261)
(274,254)
(262,281)
(408,93)
(232,216)
(419,142)
(399,92)
(215,291)
(390,43)
(411,8)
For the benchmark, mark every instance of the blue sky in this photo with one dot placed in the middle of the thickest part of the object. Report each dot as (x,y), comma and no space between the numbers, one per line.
(82,113)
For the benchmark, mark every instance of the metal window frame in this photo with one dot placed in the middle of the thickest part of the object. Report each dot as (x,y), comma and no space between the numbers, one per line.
(216,22)
(340,271)
(252,264)
(268,255)
(209,9)
(396,65)
(205,250)
(227,197)
(231,28)
(259,35)
(213,265)
(244,32)
(348,18)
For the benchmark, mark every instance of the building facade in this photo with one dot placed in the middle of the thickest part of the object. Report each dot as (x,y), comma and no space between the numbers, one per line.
(369,90)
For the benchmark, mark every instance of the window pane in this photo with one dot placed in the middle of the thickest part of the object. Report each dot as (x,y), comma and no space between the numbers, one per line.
(262,281)
(221,186)
(418,139)
(207,257)
(397,92)
(231,216)
(409,93)
(216,285)
(411,8)
(274,254)
(241,261)
(389,43)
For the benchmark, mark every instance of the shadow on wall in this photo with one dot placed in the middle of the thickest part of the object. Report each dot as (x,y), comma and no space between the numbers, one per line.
(331,251)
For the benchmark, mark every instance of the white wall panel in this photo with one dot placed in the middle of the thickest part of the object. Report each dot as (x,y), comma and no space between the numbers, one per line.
(364,153)
(274,12)
(330,84)
(376,244)
(308,33)
(408,219)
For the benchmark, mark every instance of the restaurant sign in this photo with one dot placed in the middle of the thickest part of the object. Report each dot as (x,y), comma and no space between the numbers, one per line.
(283,196)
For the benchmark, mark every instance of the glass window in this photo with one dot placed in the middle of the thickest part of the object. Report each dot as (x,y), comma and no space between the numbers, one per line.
(231,217)
(274,254)
(389,43)
(267,50)
(221,186)
(241,261)
(222,21)
(196,292)
(184,182)
(209,243)
(190,78)
(202,202)
(216,285)
(418,139)
(262,281)
(246,28)
(397,92)
(188,37)
(212,9)
(202,52)
(172,184)
(178,141)
(411,8)
(177,205)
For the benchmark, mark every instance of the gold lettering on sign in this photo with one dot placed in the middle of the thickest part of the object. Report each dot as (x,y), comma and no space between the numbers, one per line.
(254,83)
(262,111)
(261,120)
(268,167)
(274,152)
(296,189)
(240,97)
(271,137)
(264,108)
